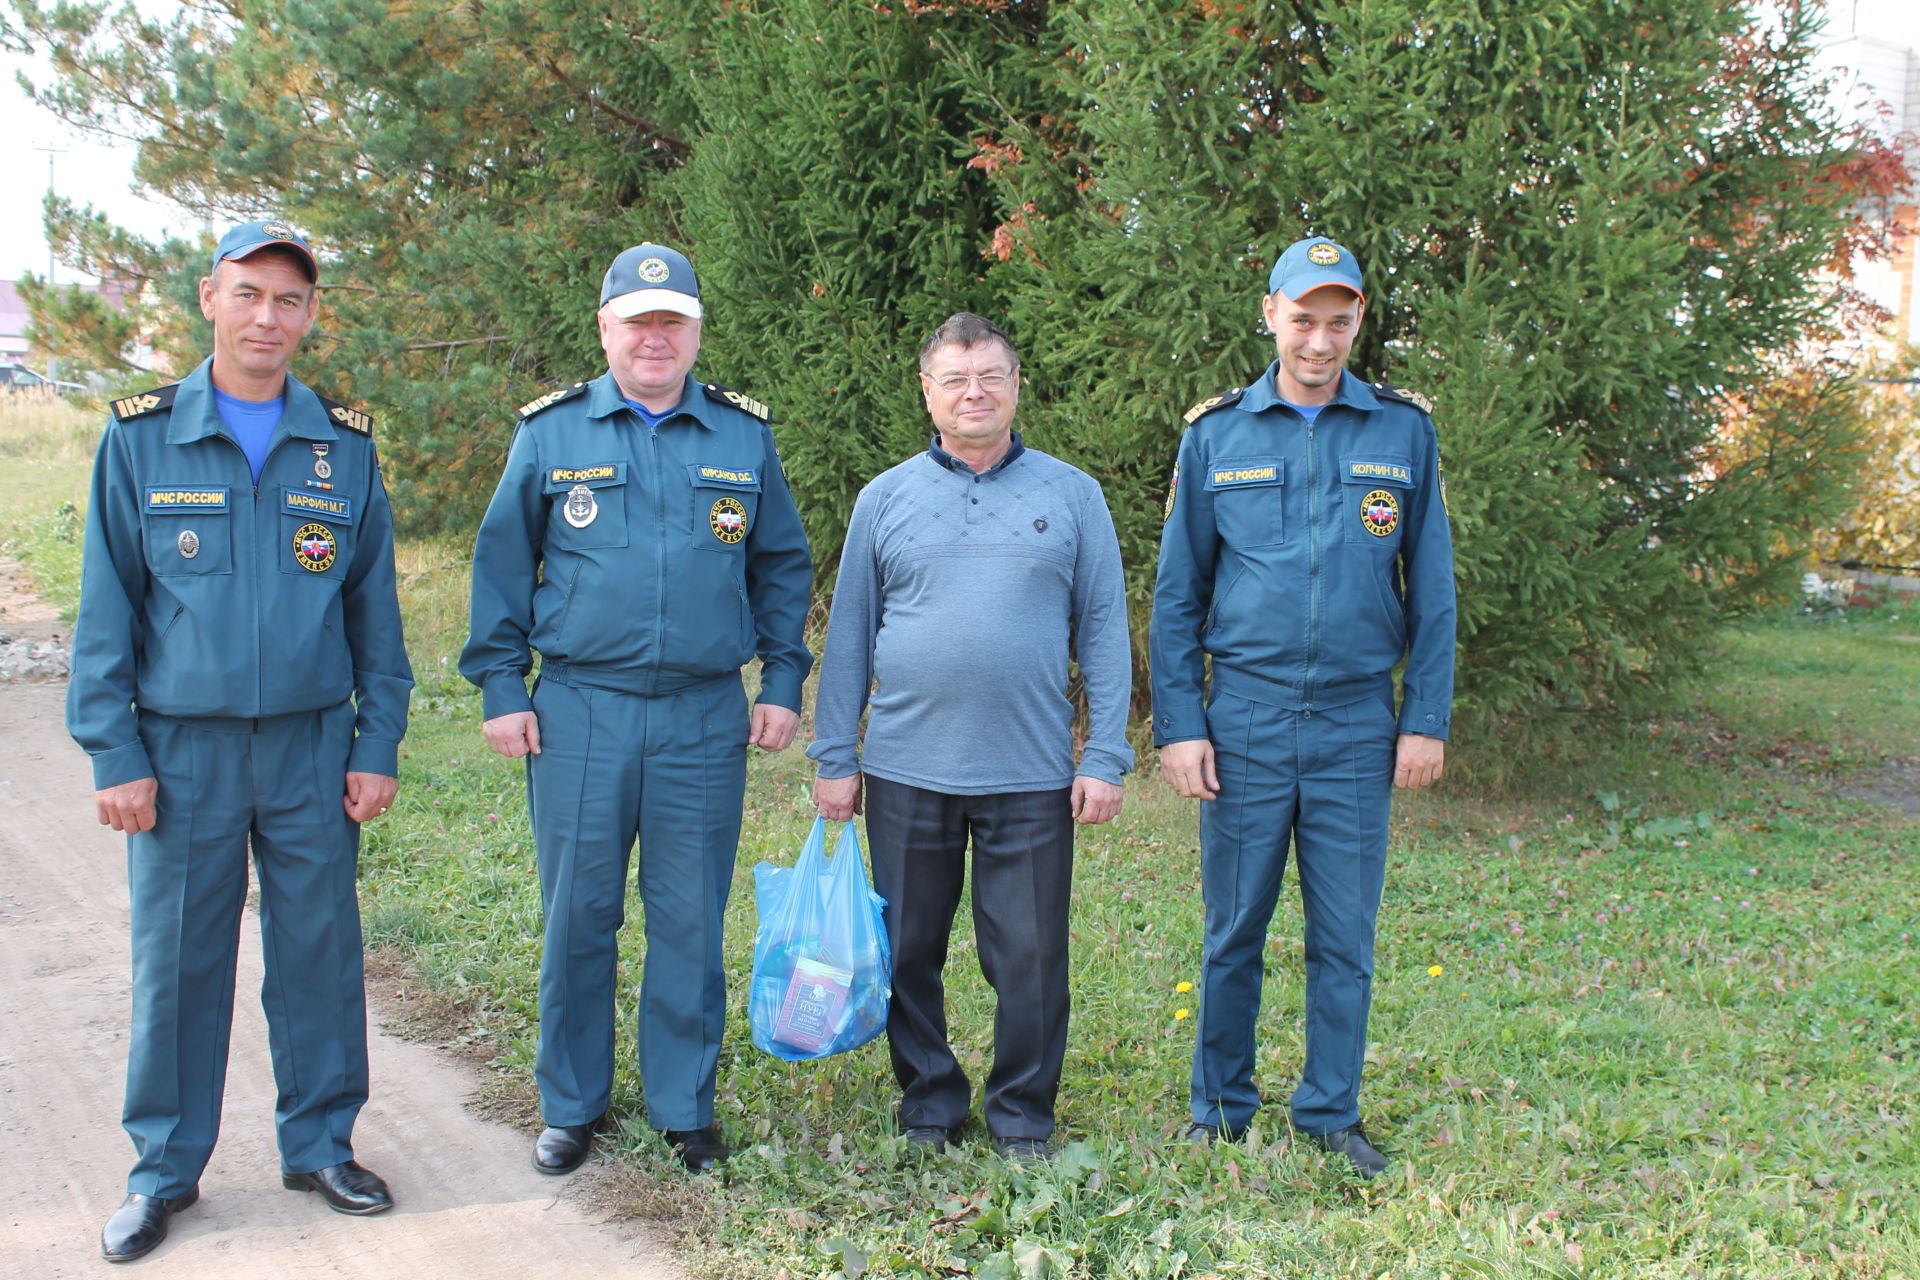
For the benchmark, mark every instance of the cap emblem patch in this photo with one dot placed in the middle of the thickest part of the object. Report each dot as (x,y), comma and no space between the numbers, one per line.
(1323,255)
(653,270)
(1379,513)
(277,231)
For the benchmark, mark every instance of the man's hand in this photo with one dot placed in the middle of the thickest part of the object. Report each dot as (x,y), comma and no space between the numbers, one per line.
(1095,802)
(838,799)
(369,795)
(772,728)
(128,807)
(1188,768)
(1418,760)
(514,735)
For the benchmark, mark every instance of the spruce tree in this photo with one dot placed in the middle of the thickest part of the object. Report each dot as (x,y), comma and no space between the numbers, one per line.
(1584,228)
(837,221)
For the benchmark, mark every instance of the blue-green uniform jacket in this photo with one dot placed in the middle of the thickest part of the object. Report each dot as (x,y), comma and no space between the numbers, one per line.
(639,559)
(1305,561)
(202,594)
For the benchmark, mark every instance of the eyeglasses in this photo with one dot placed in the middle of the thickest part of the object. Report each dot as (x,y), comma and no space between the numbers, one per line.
(989,382)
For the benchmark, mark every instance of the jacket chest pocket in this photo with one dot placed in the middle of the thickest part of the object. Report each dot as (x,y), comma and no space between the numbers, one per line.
(316,533)
(1373,499)
(587,506)
(1247,495)
(189,530)
(726,502)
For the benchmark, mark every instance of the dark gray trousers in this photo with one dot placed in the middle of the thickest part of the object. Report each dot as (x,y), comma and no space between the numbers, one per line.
(1022,882)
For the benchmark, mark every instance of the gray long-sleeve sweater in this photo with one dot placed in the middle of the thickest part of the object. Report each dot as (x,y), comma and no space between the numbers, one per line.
(960,599)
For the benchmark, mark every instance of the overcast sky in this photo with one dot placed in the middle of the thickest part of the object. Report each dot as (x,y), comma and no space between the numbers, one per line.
(100,172)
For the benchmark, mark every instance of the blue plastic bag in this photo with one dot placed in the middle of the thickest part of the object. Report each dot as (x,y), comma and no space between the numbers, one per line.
(822,969)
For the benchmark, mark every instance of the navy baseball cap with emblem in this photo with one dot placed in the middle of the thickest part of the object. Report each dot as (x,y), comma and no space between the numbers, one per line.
(650,277)
(1313,264)
(250,237)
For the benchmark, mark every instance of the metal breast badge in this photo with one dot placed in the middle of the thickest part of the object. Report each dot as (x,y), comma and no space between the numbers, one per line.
(581,507)
(321,467)
(189,543)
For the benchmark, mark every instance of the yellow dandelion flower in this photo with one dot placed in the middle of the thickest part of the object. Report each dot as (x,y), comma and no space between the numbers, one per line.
(1183,987)
(1180,1015)
(1434,970)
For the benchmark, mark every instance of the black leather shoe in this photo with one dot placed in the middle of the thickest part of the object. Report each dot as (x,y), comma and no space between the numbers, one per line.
(139,1224)
(927,1139)
(347,1188)
(1352,1143)
(1022,1150)
(565,1147)
(698,1149)
(1202,1134)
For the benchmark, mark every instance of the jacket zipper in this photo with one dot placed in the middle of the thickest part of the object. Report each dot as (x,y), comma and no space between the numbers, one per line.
(1313,574)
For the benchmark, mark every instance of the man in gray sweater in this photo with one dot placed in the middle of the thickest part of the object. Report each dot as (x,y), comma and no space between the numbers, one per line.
(971,574)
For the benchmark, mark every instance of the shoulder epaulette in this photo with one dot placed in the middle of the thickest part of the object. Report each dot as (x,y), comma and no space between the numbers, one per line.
(139,406)
(739,400)
(1405,396)
(1213,402)
(532,407)
(350,418)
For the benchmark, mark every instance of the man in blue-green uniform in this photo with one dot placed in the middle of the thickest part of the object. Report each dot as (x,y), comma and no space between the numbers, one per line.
(239,679)
(1305,554)
(644,542)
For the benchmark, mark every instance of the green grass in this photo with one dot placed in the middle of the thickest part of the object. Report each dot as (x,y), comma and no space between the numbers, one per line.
(1673,1034)
(46,454)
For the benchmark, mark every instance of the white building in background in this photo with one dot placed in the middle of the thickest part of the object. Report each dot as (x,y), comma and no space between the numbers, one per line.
(1877,83)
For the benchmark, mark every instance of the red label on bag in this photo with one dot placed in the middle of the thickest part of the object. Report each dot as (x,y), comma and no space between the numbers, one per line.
(810,1013)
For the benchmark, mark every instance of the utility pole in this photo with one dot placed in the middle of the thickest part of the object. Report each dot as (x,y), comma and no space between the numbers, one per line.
(53,362)
(51,153)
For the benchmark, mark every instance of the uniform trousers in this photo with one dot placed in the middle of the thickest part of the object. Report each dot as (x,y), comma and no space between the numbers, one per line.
(1324,781)
(277,784)
(669,771)
(1022,886)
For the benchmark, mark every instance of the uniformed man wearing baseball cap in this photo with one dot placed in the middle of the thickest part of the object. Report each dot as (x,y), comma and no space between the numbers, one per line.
(643,541)
(1306,555)
(240,682)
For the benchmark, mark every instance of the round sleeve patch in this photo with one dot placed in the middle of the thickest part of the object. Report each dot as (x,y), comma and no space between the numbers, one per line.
(314,548)
(1379,513)
(728,519)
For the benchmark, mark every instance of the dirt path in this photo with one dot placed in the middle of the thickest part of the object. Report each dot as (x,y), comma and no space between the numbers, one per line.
(467,1204)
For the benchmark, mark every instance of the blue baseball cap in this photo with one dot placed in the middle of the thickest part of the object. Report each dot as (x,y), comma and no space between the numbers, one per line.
(650,277)
(1313,264)
(249,237)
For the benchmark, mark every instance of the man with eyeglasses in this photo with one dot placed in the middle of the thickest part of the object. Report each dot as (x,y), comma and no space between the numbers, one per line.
(971,574)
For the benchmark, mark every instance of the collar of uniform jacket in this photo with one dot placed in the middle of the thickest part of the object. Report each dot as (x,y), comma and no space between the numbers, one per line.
(195,416)
(1353,391)
(604,399)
